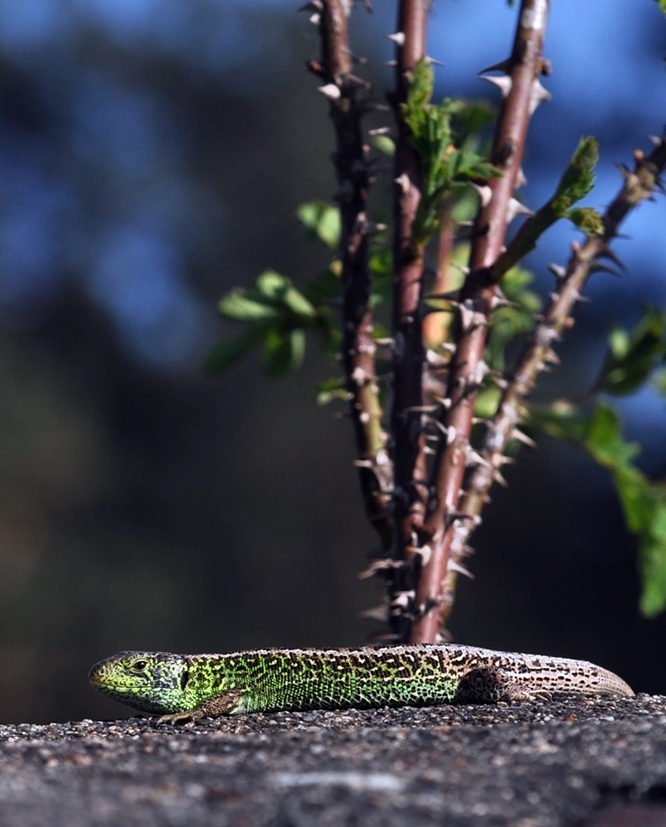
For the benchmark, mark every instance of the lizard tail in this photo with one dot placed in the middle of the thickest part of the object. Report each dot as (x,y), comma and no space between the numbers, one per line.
(534,675)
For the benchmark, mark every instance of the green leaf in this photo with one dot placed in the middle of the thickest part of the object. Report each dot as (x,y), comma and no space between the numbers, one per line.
(662,5)
(332,389)
(578,178)
(633,355)
(422,85)
(272,285)
(283,351)
(322,222)
(653,568)
(448,158)
(588,221)
(384,144)
(510,321)
(643,501)
(575,183)
(298,304)
(229,351)
(239,306)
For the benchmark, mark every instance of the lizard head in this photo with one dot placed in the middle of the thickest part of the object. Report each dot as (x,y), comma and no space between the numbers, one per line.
(149,681)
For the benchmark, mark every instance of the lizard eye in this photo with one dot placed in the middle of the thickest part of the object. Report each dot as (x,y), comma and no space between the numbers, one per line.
(184,678)
(139,665)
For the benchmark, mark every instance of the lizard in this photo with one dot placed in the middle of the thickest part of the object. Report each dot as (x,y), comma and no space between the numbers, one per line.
(187,687)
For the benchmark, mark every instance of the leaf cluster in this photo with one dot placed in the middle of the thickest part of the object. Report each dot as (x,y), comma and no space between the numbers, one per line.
(632,358)
(442,136)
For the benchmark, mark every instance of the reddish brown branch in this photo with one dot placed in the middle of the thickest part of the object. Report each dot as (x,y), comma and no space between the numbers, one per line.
(410,496)
(477,299)
(639,186)
(347,107)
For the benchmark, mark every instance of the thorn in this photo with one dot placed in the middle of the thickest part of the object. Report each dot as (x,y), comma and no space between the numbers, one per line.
(331,91)
(516,207)
(382,130)
(315,19)
(521,180)
(451,434)
(608,253)
(390,63)
(598,267)
(374,229)
(433,61)
(624,171)
(578,297)
(475,458)
(403,599)
(484,192)
(380,565)
(425,552)
(497,476)
(557,270)
(552,357)
(362,463)
(453,566)
(398,38)
(503,82)
(403,182)
(521,437)
(655,140)
(502,66)
(500,300)
(504,460)
(380,613)
(454,516)
(538,95)
(466,316)
(444,402)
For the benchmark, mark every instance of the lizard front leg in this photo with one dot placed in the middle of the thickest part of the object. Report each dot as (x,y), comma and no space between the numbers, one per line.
(226,703)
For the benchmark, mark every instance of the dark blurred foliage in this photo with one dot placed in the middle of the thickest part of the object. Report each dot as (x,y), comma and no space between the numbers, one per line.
(152,155)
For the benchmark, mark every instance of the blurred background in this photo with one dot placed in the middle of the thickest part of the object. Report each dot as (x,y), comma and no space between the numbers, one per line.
(152,156)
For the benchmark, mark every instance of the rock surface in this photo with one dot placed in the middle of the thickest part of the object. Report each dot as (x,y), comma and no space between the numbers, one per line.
(570,761)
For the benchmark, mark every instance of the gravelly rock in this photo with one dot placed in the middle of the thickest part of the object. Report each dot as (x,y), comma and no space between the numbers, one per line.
(542,764)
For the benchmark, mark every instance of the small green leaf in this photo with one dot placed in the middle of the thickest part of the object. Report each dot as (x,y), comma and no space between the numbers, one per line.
(575,183)
(588,221)
(384,144)
(272,285)
(423,82)
(283,351)
(578,178)
(238,305)
(298,304)
(331,389)
(633,355)
(322,222)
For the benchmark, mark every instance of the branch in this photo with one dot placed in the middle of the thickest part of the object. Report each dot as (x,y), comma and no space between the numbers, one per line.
(346,109)
(639,185)
(523,92)
(408,448)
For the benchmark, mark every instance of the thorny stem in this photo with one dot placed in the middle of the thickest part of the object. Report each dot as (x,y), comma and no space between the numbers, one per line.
(638,186)
(408,446)
(358,346)
(443,521)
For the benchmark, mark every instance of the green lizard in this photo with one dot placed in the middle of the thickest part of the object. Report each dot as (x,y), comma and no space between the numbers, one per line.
(183,687)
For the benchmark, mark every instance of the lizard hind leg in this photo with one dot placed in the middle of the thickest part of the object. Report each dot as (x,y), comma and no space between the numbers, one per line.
(482,685)
(489,684)
(227,703)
